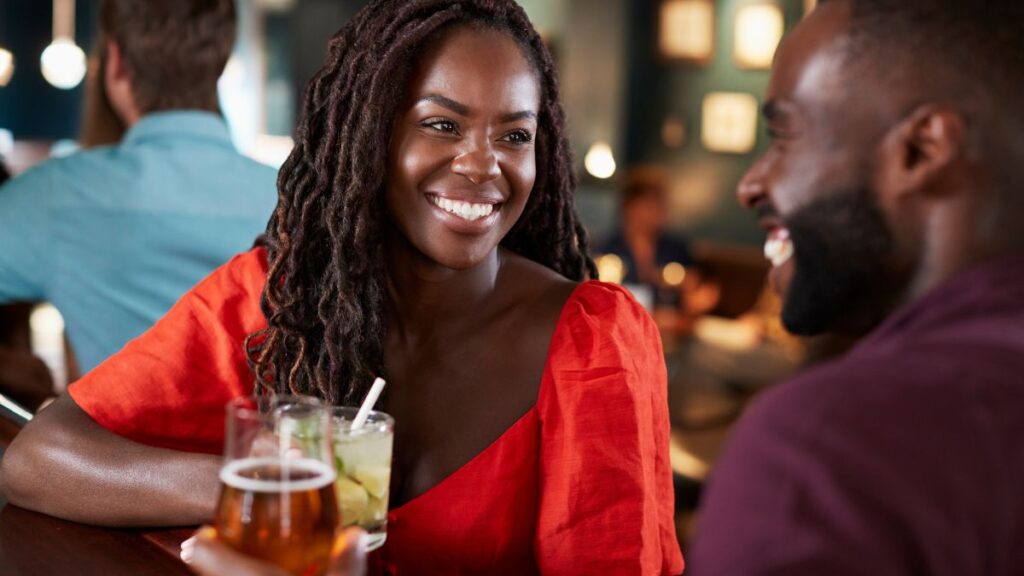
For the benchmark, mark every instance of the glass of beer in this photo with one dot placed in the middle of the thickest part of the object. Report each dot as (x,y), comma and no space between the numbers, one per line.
(277,500)
(362,458)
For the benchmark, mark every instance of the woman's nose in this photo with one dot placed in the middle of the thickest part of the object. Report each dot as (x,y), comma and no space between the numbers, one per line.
(479,165)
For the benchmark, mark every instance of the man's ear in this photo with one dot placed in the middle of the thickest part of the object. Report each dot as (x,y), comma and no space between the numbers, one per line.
(916,151)
(115,69)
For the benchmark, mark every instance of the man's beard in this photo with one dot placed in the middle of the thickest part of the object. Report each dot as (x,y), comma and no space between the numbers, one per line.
(841,281)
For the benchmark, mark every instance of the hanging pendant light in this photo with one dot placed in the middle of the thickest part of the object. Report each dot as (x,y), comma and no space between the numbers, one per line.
(6,60)
(599,161)
(63,62)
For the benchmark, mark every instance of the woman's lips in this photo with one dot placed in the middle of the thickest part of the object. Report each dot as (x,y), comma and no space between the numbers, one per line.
(466,217)
(469,211)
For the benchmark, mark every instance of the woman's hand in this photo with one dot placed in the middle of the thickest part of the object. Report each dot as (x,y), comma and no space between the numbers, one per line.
(209,557)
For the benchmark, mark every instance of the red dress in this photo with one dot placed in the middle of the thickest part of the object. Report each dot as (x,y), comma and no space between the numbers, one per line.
(580,484)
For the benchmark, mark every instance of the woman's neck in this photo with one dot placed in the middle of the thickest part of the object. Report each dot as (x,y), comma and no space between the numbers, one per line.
(422,292)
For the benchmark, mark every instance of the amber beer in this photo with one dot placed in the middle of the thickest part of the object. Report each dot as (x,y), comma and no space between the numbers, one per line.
(281,511)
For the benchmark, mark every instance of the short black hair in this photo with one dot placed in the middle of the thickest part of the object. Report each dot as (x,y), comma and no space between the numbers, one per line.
(966,54)
(963,47)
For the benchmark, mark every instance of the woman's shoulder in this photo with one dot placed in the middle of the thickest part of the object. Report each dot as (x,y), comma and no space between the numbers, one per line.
(602,326)
(606,306)
(606,351)
(244,273)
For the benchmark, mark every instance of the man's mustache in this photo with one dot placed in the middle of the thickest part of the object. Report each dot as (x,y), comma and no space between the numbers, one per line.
(765,210)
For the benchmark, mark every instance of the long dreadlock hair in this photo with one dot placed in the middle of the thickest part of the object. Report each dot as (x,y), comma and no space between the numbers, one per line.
(325,294)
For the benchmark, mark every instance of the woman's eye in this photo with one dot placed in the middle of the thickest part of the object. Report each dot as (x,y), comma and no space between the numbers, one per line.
(445,126)
(519,137)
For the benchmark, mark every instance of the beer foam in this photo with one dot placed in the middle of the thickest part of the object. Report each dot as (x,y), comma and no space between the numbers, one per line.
(231,475)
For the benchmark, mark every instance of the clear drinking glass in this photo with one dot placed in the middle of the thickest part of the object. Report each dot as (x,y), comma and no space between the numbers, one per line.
(277,500)
(362,458)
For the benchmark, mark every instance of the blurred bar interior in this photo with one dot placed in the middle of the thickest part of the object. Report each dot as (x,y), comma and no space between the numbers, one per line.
(669,86)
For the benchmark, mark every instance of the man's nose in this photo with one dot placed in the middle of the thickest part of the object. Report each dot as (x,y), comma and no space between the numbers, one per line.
(752,189)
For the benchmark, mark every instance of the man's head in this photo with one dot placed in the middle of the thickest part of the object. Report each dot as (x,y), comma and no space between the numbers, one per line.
(164,54)
(645,201)
(897,157)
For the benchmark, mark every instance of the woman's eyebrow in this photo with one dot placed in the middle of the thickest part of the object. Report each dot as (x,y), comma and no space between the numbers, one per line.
(463,110)
(446,102)
(516,116)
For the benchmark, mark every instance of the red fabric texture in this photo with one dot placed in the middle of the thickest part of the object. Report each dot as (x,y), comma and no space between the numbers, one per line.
(580,484)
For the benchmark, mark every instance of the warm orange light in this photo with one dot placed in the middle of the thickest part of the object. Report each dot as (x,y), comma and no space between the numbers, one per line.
(729,122)
(687,29)
(759,29)
(673,273)
(611,269)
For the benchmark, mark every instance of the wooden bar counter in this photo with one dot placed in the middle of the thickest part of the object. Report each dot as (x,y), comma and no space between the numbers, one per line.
(35,544)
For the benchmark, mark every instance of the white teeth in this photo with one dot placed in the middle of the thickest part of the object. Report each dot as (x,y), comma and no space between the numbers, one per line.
(778,248)
(464,210)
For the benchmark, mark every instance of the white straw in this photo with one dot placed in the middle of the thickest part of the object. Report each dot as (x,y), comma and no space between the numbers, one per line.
(371,399)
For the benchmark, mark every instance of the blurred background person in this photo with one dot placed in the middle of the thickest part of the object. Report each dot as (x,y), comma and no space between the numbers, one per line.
(100,125)
(657,265)
(114,235)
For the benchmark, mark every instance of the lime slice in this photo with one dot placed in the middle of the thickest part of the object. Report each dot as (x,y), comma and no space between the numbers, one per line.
(374,478)
(352,500)
(376,511)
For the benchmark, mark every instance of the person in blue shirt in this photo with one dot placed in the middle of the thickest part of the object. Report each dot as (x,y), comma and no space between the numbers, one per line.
(112,236)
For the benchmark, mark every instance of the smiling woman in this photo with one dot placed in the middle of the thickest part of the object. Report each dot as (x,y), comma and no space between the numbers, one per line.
(463,160)
(425,232)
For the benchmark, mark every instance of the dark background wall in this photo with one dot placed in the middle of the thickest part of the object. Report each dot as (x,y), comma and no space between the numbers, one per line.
(703,182)
(313,22)
(29,106)
(616,87)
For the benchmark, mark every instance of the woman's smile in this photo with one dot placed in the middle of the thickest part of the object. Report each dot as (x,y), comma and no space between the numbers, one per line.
(463,214)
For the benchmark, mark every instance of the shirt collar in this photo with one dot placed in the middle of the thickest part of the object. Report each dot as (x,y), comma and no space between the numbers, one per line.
(196,123)
(989,287)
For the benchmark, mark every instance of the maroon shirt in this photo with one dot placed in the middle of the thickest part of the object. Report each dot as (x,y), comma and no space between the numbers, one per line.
(904,457)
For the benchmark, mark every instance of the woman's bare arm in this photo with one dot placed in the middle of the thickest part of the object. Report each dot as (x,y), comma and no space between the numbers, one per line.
(66,465)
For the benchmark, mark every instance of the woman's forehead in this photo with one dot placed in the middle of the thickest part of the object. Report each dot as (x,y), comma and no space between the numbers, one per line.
(479,65)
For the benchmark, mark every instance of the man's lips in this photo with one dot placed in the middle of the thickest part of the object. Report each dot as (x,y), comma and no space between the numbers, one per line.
(778,246)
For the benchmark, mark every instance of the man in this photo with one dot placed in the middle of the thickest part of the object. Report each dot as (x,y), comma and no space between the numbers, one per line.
(893,197)
(113,236)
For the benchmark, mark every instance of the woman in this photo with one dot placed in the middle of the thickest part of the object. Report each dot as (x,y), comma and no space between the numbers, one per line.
(425,232)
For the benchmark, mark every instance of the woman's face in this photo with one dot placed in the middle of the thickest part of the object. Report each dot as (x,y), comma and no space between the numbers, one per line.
(461,163)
